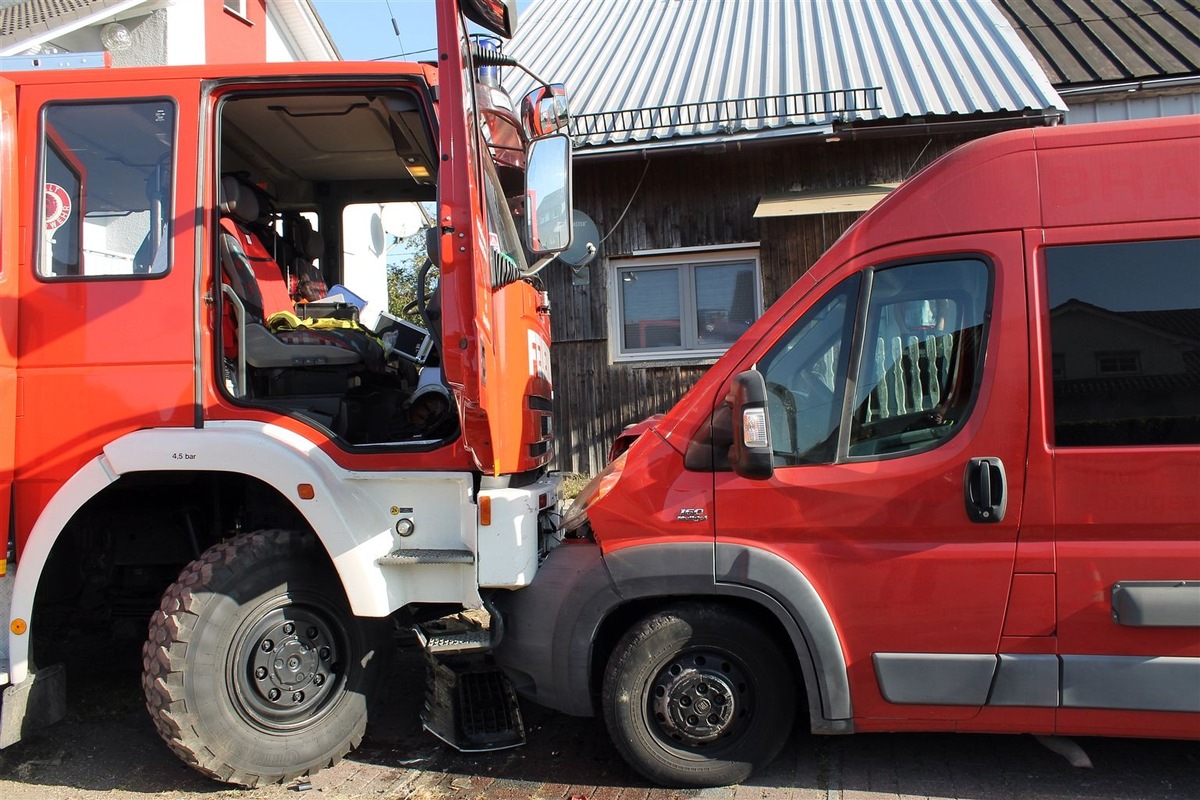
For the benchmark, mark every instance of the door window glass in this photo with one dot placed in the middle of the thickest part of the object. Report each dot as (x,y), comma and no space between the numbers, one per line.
(919,349)
(1125,342)
(106,185)
(805,373)
(920,357)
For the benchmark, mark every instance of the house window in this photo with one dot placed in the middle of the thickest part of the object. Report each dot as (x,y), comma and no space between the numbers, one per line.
(1127,362)
(236,6)
(1123,319)
(691,304)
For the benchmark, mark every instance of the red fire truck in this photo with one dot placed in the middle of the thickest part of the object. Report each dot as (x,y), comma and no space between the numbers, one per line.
(186,382)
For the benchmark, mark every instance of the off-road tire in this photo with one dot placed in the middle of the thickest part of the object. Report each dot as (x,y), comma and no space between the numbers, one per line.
(697,695)
(255,671)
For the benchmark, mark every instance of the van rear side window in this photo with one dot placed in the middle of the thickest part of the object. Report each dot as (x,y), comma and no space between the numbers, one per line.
(106,181)
(1125,342)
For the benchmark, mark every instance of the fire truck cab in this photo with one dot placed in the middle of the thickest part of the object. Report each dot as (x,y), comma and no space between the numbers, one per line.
(190,379)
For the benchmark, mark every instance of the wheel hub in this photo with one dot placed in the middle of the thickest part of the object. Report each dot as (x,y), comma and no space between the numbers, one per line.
(291,662)
(699,697)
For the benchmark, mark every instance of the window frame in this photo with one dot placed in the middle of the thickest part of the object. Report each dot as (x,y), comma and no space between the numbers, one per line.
(46,140)
(1110,363)
(1057,427)
(858,354)
(237,8)
(861,324)
(685,260)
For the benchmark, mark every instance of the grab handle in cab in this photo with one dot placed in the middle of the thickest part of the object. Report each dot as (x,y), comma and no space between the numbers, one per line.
(986,489)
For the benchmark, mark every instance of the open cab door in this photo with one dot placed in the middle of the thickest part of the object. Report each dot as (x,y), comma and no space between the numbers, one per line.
(495,316)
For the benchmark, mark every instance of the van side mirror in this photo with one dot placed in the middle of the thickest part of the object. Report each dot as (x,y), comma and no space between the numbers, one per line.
(750,453)
(548,222)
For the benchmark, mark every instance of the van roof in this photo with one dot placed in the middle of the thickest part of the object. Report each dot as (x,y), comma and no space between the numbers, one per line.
(1001,182)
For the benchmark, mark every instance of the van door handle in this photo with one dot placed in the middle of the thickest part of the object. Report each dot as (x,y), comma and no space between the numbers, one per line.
(986,489)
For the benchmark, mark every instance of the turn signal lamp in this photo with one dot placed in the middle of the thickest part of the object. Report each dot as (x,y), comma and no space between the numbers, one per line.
(754,427)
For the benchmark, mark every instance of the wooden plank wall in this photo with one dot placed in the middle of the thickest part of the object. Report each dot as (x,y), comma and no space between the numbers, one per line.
(689,200)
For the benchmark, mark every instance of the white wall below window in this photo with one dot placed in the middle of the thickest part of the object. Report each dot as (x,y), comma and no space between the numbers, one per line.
(185,33)
(1135,106)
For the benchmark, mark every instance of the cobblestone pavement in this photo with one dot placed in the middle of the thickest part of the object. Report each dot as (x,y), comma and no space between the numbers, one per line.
(108,749)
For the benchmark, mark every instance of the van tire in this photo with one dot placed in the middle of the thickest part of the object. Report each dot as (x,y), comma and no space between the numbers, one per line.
(696,657)
(255,670)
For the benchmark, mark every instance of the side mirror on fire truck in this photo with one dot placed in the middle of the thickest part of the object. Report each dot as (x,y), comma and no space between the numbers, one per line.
(545,111)
(548,225)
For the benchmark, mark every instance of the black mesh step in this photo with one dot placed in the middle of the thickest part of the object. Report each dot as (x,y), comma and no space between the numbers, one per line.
(470,705)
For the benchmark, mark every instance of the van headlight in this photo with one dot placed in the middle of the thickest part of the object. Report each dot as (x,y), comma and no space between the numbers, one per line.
(592,493)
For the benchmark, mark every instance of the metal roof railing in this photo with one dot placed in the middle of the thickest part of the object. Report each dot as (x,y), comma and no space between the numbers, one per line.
(804,108)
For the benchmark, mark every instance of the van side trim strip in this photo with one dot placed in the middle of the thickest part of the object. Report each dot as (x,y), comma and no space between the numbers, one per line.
(1145,683)
(940,679)
(1157,604)
(1136,683)
(1026,679)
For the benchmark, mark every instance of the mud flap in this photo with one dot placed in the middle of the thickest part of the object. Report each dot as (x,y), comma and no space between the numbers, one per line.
(36,702)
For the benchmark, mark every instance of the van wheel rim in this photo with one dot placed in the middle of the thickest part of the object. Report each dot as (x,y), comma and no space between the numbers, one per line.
(700,697)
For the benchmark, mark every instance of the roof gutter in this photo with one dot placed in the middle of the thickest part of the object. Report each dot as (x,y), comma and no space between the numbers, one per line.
(1155,84)
(694,146)
(850,132)
(838,132)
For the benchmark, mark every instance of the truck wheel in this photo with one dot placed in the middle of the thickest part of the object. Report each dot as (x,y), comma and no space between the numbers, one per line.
(698,696)
(255,671)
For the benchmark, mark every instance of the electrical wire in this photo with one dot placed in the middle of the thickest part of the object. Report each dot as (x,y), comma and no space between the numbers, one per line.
(404,55)
(627,205)
(395,25)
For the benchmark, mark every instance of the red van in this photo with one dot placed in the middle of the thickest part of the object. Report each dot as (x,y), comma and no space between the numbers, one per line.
(949,482)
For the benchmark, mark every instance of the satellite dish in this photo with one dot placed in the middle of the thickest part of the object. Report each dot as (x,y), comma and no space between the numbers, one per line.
(402,219)
(585,241)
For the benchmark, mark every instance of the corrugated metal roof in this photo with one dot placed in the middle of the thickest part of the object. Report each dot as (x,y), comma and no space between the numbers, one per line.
(734,68)
(1082,42)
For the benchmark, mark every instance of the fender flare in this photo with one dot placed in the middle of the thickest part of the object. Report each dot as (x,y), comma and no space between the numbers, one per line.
(551,625)
(347,519)
(771,582)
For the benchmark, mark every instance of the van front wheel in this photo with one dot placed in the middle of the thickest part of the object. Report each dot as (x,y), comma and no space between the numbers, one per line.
(698,696)
(255,671)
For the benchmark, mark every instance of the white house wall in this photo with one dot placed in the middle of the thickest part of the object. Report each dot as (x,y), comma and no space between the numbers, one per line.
(185,33)
(1133,107)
